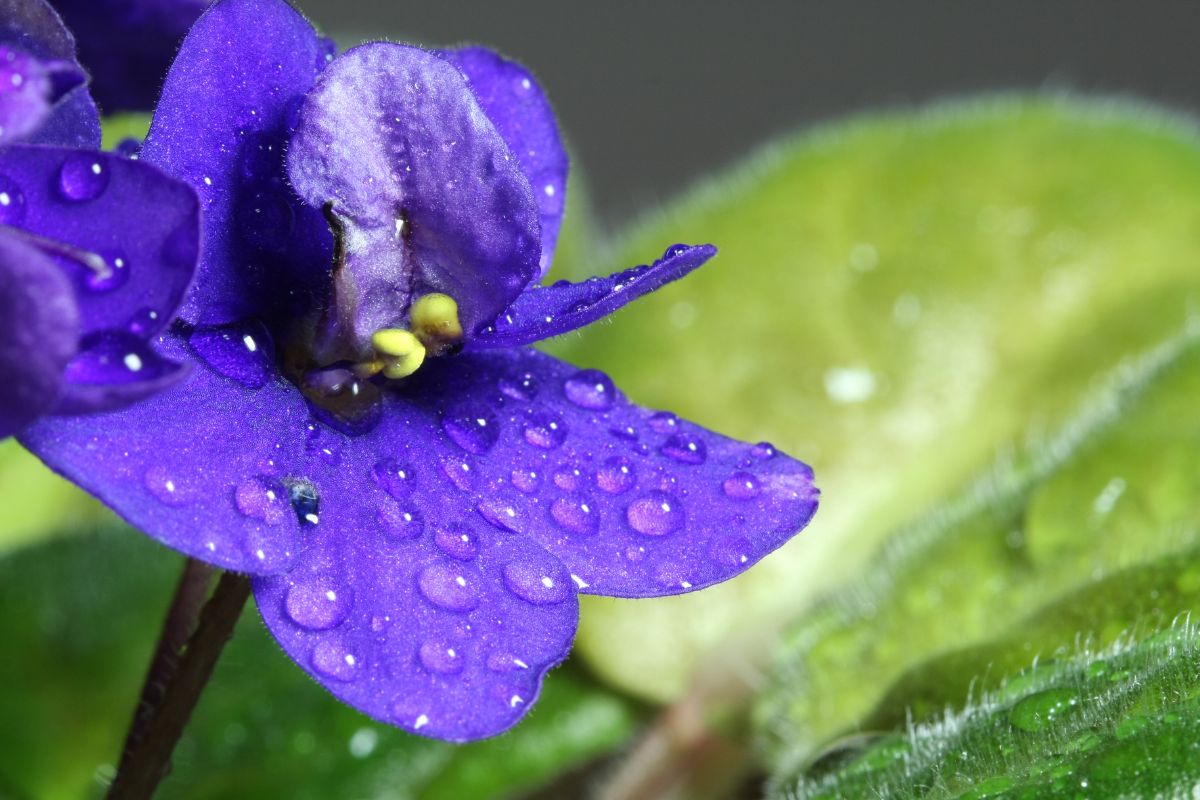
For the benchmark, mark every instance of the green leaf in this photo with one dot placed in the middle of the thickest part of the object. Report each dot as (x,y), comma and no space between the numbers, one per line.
(38,502)
(1122,722)
(79,616)
(124,126)
(897,299)
(1082,538)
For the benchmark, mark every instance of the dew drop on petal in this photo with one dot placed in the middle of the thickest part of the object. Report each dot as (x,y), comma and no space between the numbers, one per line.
(686,448)
(262,499)
(115,276)
(318,604)
(12,201)
(400,524)
(165,488)
(83,176)
(616,475)
(459,472)
(523,387)
(441,658)
(656,514)
(472,426)
(143,321)
(535,584)
(394,477)
(526,480)
(591,389)
(332,659)
(115,357)
(447,586)
(243,352)
(730,550)
(501,661)
(500,513)
(575,515)
(457,541)
(304,499)
(763,450)
(319,441)
(545,430)
(664,422)
(568,477)
(741,486)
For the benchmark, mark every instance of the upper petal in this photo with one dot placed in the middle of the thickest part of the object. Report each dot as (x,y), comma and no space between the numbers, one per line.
(38,332)
(221,124)
(431,196)
(541,312)
(521,112)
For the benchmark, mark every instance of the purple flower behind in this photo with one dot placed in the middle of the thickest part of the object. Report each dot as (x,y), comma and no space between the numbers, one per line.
(419,499)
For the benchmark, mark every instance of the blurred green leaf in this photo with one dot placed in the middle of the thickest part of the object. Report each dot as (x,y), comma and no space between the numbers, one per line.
(38,503)
(79,616)
(1124,722)
(119,127)
(897,300)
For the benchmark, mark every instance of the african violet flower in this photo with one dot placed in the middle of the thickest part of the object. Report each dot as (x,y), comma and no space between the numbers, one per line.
(419,497)
(96,252)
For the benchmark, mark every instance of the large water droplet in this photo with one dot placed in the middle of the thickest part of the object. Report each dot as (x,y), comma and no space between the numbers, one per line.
(616,475)
(162,484)
(664,422)
(395,477)
(656,514)
(569,477)
(526,480)
(318,603)
(243,352)
(400,524)
(263,499)
(440,657)
(1042,709)
(457,541)
(12,202)
(304,499)
(448,587)
(500,513)
(523,387)
(544,429)
(83,176)
(741,486)
(686,448)
(591,389)
(576,515)
(332,659)
(536,584)
(472,426)
(115,357)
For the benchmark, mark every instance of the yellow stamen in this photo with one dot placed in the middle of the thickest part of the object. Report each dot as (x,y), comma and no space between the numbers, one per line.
(400,352)
(434,320)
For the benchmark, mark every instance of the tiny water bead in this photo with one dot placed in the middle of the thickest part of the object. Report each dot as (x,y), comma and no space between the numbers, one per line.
(501,661)
(448,587)
(741,486)
(322,443)
(472,426)
(526,480)
(457,541)
(523,387)
(160,483)
(243,352)
(261,498)
(459,472)
(114,275)
(143,321)
(536,584)
(304,499)
(664,422)
(590,389)
(616,475)
(12,202)
(318,604)
(395,477)
(763,451)
(332,659)
(686,448)
(500,513)
(731,551)
(1040,710)
(441,658)
(83,177)
(544,429)
(576,515)
(656,514)
(115,357)
(400,524)
(568,477)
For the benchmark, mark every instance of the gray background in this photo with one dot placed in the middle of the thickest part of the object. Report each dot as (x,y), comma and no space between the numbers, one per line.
(653,95)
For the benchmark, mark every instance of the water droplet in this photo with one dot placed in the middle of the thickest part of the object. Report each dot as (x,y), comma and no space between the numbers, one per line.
(500,513)
(457,541)
(441,658)
(763,450)
(394,477)
(545,430)
(160,483)
(501,661)
(568,477)
(12,202)
(115,276)
(472,426)
(243,352)
(400,524)
(332,659)
(624,432)
(116,357)
(1040,710)
(319,441)
(318,604)
(459,473)
(144,322)
(303,497)
(536,584)
(656,514)
(616,475)
(526,480)
(686,448)
(664,422)
(83,176)
(732,551)
(524,387)
(576,515)
(741,486)
(591,389)
(261,498)
(448,586)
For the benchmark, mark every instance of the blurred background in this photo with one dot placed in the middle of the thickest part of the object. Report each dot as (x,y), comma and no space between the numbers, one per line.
(652,95)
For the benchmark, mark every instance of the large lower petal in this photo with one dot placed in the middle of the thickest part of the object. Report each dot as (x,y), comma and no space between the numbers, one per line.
(521,112)
(38,333)
(431,197)
(221,125)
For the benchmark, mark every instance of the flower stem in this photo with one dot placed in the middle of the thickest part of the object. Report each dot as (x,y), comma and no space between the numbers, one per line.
(171,692)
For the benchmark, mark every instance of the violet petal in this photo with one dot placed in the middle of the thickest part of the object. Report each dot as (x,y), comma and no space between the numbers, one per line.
(38,332)
(431,197)
(521,112)
(541,312)
(242,69)
(25,94)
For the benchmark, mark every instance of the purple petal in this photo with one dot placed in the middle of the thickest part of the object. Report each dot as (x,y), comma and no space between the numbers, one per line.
(519,109)
(431,196)
(25,94)
(221,125)
(114,369)
(541,312)
(446,632)
(126,233)
(38,332)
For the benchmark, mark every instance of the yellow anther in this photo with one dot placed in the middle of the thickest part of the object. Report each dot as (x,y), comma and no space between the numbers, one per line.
(400,352)
(434,319)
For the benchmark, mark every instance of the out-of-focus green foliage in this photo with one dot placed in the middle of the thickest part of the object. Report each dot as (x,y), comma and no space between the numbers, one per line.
(38,503)
(897,300)
(1122,722)
(79,617)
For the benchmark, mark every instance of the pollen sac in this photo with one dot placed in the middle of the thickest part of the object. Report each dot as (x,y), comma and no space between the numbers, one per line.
(434,319)
(400,352)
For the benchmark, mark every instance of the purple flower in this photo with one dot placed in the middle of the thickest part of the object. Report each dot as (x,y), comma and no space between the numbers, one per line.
(96,251)
(419,498)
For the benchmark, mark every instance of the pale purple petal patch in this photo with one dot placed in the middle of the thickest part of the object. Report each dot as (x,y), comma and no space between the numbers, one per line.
(521,112)
(541,312)
(25,94)
(431,198)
